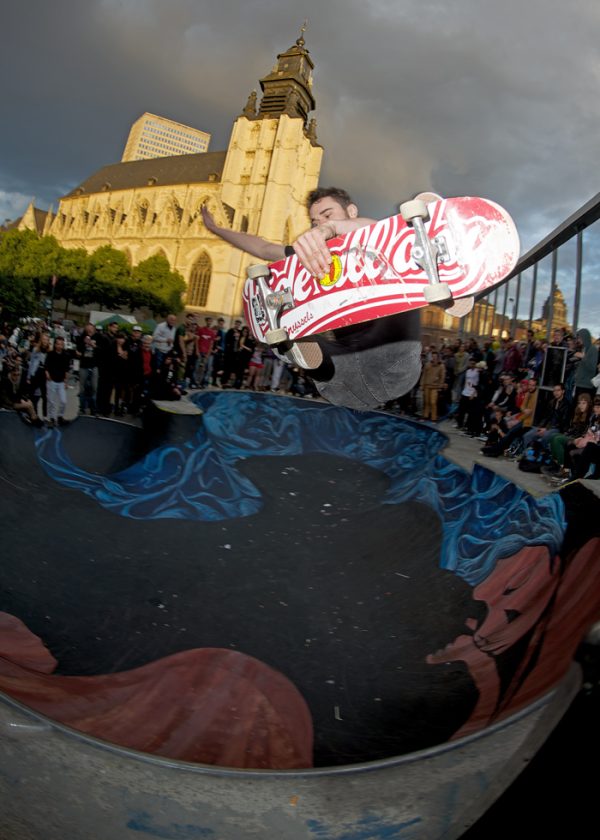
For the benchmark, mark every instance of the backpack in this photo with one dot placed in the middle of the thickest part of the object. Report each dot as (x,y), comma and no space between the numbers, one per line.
(534,458)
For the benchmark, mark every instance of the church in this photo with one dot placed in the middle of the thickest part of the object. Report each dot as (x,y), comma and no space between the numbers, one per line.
(258,184)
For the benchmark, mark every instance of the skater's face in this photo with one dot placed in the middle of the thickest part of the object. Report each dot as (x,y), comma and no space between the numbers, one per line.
(328,208)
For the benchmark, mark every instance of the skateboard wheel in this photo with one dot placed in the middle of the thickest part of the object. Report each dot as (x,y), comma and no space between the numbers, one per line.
(428,197)
(256,271)
(437,293)
(275,337)
(413,209)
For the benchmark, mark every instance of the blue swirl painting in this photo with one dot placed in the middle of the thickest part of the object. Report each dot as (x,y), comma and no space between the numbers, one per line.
(484,517)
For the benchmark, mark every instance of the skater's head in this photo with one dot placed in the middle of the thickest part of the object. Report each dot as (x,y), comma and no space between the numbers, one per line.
(330,203)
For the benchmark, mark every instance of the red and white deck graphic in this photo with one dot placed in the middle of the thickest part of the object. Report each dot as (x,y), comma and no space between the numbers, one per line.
(374,272)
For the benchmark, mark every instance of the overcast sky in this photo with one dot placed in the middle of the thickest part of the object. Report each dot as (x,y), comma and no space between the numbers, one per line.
(465,97)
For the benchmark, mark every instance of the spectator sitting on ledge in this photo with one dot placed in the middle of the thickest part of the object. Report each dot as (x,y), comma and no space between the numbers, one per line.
(163,385)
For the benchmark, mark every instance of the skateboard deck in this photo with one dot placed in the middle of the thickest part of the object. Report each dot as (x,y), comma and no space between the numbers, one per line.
(379,270)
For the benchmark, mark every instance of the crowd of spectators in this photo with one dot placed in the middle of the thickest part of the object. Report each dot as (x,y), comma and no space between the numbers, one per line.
(118,367)
(513,396)
(533,400)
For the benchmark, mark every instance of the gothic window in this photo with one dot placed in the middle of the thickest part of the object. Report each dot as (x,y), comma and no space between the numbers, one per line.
(199,284)
(244,224)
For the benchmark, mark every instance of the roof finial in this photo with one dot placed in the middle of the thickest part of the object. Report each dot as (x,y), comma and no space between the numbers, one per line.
(300,41)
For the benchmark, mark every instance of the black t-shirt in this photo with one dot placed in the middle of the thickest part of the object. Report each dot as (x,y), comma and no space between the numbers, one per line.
(57,365)
(87,351)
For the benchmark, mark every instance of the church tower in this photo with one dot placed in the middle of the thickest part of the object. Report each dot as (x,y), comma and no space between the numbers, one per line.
(274,160)
(288,88)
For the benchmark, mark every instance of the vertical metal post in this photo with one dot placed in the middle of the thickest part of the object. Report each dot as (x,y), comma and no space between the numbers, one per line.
(578,273)
(504,308)
(533,291)
(552,293)
(495,309)
(513,325)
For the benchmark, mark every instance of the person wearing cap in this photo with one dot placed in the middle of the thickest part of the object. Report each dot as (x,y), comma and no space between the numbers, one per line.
(133,346)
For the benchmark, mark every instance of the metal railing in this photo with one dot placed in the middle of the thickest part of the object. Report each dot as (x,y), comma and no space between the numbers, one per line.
(502,307)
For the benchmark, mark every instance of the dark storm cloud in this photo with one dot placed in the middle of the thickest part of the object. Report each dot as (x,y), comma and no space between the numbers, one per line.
(463,98)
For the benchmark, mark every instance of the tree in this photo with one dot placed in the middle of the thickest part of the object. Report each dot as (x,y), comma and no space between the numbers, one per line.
(17,291)
(108,282)
(73,271)
(154,285)
(38,261)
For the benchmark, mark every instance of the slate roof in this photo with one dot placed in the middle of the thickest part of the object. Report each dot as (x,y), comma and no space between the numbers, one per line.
(177,169)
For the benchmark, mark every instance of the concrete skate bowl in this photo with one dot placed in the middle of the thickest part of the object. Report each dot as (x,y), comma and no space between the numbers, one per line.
(275,619)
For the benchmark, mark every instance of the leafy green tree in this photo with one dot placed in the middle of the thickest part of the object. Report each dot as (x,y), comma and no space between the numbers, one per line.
(17,290)
(38,261)
(157,287)
(73,270)
(108,282)
(17,298)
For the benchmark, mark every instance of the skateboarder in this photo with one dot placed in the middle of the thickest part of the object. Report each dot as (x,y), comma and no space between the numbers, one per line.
(360,366)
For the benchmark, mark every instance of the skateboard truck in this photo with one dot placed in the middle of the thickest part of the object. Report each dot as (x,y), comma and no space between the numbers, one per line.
(427,252)
(270,307)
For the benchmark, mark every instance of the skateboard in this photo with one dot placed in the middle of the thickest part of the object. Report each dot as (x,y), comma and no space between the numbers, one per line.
(436,251)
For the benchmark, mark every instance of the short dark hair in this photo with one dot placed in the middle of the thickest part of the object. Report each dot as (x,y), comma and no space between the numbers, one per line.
(337,193)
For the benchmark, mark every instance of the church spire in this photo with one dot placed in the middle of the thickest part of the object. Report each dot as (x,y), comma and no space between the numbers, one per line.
(288,88)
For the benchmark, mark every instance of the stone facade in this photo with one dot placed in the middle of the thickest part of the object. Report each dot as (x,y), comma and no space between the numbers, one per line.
(259,185)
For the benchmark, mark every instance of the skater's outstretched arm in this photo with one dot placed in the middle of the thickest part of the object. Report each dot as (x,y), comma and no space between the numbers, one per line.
(255,245)
(311,247)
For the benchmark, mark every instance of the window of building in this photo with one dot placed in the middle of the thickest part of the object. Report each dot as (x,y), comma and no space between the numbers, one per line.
(199,285)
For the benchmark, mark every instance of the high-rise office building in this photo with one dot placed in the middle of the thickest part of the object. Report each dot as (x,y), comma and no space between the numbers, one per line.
(153,137)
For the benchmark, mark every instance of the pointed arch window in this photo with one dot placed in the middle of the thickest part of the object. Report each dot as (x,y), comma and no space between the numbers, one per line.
(199,284)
